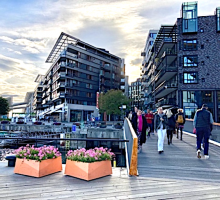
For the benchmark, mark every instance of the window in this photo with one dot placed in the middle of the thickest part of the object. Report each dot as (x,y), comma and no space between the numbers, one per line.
(153,35)
(151,42)
(88,94)
(89,77)
(190,61)
(190,77)
(190,45)
(189,97)
(88,85)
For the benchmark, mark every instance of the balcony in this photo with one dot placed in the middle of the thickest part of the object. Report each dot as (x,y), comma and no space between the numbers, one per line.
(165,88)
(107,67)
(143,53)
(61,85)
(165,73)
(61,95)
(62,75)
(107,75)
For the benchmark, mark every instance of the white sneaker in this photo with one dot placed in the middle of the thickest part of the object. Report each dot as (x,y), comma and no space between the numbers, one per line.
(198,153)
(206,156)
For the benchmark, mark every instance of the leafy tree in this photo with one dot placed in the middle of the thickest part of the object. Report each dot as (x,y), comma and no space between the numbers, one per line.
(4,106)
(111,101)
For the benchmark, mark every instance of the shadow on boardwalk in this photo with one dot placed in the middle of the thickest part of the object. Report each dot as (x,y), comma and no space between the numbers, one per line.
(176,174)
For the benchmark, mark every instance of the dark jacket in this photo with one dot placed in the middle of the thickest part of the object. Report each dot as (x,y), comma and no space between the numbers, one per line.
(171,123)
(157,122)
(202,118)
(143,133)
(184,120)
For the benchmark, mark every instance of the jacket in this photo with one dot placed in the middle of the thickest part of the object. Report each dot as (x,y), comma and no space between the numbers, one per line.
(203,119)
(157,122)
(171,123)
(144,128)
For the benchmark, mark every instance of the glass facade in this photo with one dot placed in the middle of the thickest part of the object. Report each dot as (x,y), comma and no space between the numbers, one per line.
(193,100)
(190,77)
(189,15)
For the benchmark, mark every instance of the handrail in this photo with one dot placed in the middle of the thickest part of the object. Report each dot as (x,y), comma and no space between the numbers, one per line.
(131,148)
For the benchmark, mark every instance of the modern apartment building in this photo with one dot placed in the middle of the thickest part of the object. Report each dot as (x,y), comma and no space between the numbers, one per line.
(79,71)
(135,94)
(145,73)
(185,63)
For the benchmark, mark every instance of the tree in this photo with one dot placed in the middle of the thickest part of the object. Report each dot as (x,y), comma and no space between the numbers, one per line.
(111,101)
(4,106)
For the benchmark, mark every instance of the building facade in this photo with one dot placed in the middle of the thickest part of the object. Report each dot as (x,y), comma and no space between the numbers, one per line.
(79,71)
(185,63)
(135,94)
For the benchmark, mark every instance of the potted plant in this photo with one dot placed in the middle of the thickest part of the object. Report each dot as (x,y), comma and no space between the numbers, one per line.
(37,162)
(89,164)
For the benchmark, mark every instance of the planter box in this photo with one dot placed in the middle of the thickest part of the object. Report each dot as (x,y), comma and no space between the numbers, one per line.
(38,169)
(88,171)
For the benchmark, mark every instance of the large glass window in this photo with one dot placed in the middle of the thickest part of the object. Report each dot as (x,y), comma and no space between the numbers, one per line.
(190,77)
(75,115)
(218,18)
(190,61)
(190,45)
(189,97)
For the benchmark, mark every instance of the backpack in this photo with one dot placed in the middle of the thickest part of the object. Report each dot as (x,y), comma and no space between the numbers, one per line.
(180,119)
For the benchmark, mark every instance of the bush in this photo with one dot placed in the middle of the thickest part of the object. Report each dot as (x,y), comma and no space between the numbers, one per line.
(39,154)
(91,155)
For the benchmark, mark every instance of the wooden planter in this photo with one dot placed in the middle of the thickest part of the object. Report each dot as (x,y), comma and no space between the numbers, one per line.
(38,169)
(88,171)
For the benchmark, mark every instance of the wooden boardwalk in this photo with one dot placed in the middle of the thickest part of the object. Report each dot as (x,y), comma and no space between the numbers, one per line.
(176,174)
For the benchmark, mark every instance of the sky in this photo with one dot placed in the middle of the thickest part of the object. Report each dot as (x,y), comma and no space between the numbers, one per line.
(30,28)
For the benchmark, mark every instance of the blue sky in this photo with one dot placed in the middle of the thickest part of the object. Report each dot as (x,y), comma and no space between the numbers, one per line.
(29,29)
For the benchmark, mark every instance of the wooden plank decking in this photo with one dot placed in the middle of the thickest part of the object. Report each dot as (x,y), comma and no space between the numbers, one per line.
(176,174)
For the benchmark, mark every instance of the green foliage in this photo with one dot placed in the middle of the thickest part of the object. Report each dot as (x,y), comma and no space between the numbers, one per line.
(4,106)
(111,101)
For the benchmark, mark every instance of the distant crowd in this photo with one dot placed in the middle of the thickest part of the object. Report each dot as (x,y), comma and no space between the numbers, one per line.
(165,122)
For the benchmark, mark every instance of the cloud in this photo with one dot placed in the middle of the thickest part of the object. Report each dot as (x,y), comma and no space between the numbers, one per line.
(136,61)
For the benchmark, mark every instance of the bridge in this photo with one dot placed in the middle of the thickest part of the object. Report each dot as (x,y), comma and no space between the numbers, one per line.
(175,174)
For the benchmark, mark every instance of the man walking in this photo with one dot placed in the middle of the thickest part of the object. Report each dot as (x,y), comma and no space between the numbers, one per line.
(202,122)
(149,117)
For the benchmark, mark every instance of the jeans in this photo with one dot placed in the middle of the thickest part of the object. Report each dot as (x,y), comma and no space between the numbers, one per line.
(169,136)
(151,128)
(161,134)
(203,133)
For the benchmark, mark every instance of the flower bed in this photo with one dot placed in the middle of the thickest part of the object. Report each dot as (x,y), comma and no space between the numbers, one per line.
(91,155)
(89,164)
(39,154)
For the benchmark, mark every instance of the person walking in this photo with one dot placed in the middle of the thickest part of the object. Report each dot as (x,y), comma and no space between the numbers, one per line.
(134,114)
(160,125)
(203,121)
(171,123)
(149,118)
(139,125)
(180,121)
(130,116)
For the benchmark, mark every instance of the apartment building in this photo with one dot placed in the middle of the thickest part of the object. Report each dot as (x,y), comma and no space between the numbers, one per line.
(78,72)
(185,63)
(145,73)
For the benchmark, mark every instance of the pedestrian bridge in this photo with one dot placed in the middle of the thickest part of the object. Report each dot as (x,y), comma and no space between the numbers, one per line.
(175,174)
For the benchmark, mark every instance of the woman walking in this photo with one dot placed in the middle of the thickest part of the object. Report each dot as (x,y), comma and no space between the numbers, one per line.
(160,125)
(140,125)
(171,124)
(180,121)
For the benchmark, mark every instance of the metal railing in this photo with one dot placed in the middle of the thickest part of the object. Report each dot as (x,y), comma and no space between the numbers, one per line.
(66,144)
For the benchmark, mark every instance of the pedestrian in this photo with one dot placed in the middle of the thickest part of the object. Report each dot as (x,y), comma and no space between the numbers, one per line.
(160,125)
(130,116)
(171,124)
(139,125)
(180,121)
(203,121)
(149,118)
(134,114)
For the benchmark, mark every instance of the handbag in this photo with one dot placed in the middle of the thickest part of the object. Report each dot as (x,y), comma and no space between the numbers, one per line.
(194,130)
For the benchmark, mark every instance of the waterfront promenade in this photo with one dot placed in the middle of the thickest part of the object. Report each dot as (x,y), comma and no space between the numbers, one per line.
(175,174)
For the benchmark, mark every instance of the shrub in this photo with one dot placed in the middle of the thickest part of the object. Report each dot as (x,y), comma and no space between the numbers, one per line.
(39,154)
(91,155)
